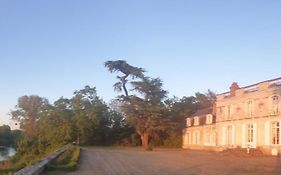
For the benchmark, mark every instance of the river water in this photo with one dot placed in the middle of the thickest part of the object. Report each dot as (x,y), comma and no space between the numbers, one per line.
(6,152)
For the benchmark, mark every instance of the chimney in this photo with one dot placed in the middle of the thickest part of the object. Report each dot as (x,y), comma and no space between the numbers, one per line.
(233,88)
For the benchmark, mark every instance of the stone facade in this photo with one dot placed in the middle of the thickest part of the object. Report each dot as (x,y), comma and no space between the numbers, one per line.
(247,117)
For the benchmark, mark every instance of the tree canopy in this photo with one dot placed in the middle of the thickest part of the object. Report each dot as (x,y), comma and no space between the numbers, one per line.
(127,71)
(145,113)
(27,113)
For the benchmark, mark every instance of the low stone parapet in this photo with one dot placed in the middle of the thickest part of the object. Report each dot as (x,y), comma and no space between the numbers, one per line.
(39,167)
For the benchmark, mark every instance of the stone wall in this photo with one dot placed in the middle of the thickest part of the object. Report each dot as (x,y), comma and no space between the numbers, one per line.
(39,166)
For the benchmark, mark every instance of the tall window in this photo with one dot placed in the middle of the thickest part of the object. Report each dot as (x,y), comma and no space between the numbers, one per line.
(250,133)
(275,133)
(228,112)
(250,108)
(207,138)
(229,135)
(196,121)
(196,137)
(213,138)
(221,112)
(275,101)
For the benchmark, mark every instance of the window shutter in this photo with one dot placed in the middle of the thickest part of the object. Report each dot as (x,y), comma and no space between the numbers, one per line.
(267,133)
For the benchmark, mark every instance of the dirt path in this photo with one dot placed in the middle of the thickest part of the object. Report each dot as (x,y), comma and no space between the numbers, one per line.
(111,161)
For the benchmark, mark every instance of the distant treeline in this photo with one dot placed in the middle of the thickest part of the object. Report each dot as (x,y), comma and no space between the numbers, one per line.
(8,137)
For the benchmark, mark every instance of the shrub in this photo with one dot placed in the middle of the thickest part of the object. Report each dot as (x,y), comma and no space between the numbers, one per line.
(149,148)
(67,161)
(173,141)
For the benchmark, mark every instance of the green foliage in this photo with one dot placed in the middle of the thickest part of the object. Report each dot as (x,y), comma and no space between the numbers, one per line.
(205,100)
(17,135)
(91,120)
(67,161)
(6,136)
(157,122)
(27,113)
(173,140)
(31,151)
(45,130)
(145,113)
(5,168)
(132,140)
(127,70)
(179,109)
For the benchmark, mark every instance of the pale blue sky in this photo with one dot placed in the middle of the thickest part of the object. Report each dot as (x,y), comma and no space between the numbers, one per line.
(51,48)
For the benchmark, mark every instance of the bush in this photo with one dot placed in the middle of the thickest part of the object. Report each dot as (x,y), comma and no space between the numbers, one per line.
(67,161)
(6,167)
(149,148)
(131,140)
(173,141)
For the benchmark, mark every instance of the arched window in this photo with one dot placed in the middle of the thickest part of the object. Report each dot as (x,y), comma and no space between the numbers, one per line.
(275,103)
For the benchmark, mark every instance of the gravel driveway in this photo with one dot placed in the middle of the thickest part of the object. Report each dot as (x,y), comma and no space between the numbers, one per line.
(127,161)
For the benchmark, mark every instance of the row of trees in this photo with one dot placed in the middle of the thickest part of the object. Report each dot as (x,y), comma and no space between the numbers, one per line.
(84,119)
(147,116)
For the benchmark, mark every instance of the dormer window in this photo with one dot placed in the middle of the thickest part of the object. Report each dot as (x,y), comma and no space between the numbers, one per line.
(188,122)
(209,119)
(196,121)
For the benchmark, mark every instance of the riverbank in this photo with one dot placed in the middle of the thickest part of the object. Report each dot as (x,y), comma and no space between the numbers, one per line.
(6,152)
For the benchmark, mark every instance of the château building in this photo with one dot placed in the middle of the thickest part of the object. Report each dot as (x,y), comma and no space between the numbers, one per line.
(246,117)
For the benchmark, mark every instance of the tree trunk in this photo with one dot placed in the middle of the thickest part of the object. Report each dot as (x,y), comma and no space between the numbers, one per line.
(123,80)
(125,90)
(144,140)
